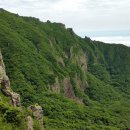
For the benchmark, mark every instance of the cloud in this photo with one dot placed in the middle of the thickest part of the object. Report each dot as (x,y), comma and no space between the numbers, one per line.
(116,40)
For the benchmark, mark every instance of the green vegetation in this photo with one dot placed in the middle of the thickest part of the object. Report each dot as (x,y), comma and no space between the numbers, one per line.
(11,118)
(39,54)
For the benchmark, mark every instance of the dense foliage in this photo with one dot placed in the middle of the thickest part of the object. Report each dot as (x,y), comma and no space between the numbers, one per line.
(39,54)
(11,118)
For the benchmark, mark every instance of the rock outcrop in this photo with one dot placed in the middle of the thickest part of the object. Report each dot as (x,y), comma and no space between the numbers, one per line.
(15,97)
(5,85)
(68,88)
(56,86)
(37,114)
(30,123)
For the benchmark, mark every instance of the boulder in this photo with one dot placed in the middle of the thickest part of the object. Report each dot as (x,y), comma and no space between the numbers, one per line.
(37,113)
(15,99)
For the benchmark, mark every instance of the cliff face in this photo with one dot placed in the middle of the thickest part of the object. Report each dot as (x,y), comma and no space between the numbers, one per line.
(80,83)
(14,98)
(5,85)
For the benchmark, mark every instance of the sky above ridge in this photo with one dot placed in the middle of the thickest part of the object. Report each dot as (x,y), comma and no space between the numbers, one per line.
(105,20)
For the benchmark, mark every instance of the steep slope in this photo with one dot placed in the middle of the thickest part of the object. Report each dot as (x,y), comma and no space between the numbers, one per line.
(12,114)
(80,83)
(11,117)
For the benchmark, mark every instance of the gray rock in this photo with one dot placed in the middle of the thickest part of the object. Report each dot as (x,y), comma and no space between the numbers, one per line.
(5,85)
(30,123)
(38,114)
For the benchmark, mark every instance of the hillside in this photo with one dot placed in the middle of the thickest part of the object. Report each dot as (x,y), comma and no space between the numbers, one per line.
(81,84)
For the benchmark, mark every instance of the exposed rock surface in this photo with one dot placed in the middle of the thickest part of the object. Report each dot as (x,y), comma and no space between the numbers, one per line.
(68,90)
(15,97)
(38,114)
(60,61)
(71,31)
(56,86)
(30,123)
(5,85)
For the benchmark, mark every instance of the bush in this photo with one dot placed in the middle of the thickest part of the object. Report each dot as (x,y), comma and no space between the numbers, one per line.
(13,116)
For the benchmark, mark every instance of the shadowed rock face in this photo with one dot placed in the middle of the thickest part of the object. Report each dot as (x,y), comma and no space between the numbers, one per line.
(5,85)
(68,90)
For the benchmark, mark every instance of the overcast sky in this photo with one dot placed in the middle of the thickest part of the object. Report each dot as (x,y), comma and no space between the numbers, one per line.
(106,20)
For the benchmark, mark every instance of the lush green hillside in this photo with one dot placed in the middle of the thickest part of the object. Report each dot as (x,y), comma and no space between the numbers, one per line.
(81,84)
(11,118)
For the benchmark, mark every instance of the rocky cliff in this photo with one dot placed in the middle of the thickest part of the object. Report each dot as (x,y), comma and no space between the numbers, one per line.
(5,85)
(14,98)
